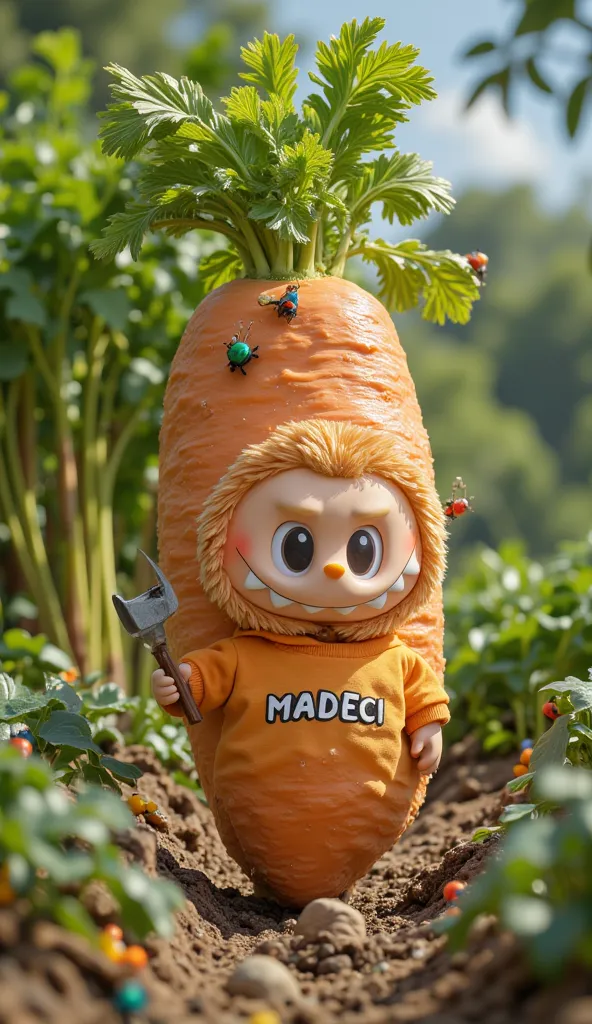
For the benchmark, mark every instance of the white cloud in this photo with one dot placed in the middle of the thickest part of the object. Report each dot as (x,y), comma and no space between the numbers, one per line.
(482,143)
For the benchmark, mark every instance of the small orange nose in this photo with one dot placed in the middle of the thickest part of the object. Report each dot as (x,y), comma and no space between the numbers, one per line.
(334,570)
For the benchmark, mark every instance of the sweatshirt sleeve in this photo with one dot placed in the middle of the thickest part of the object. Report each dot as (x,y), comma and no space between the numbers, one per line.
(213,672)
(426,699)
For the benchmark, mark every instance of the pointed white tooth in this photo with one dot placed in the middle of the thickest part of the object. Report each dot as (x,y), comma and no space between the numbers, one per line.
(346,611)
(412,567)
(253,583)
(311,608)
(398,584)
(378,602)
(277,600)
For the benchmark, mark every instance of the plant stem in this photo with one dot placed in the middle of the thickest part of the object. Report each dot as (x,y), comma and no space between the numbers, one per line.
(97,347)
(307,257)
(284,261)
(341,256)
(41,582)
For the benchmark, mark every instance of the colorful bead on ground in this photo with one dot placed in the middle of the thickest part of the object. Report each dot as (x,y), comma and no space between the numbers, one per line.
(452,889)
(551,710)
(526,755)
(265,1017)
(114,949)
(453,912)
(525,744)
(114,931)
(131,997)
(151,806)
(24,747)
(520,769)
(136,957)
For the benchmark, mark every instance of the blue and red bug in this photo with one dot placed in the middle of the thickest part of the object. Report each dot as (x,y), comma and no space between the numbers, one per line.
(287,305)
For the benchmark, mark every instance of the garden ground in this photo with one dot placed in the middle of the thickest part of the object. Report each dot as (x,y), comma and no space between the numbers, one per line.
(401,973)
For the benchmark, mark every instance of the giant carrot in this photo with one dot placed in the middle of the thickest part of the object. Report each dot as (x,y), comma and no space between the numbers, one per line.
(291,193)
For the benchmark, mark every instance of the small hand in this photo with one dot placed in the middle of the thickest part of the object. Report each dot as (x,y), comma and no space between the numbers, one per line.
(426,744)
(164,688)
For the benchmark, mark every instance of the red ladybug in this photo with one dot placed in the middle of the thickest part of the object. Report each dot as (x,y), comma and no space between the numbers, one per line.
(551,710)
(22,745)
(478,263)
(460,506)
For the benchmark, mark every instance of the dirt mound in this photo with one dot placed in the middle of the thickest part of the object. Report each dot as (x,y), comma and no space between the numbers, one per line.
(400,972)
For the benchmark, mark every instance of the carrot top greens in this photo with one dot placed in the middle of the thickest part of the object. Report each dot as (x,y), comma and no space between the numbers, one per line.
(292,192)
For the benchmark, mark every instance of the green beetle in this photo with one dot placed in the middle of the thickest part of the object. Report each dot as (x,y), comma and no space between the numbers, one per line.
(239,351)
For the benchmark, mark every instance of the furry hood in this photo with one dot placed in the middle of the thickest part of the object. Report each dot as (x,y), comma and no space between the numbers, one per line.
(333,449)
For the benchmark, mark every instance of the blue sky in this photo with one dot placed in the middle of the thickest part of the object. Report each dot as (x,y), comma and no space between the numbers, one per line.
(482,146)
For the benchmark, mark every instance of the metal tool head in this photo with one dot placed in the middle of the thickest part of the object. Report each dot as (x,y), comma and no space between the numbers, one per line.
(145,615)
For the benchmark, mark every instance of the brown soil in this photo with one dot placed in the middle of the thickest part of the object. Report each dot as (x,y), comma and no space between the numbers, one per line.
(402,972)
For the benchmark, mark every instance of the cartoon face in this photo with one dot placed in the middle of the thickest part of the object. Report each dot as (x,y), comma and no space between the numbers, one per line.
(323,549)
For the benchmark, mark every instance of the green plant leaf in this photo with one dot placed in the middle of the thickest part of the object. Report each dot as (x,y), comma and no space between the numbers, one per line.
(481,835)
(409,271)
(27,308)
(63,728)
(405,186)
(578,690)
(153,106)
(540,14)
(520,783)
(122,770)
(112,305)
(72,915)
(487,46)
(219,267)
(551,748)
(513,812)
(271,64)
(575,105)
(535,76)
(526,915)
(22,703)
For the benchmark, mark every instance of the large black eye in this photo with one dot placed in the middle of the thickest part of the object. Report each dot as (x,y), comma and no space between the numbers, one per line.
(364,552)
(292,548)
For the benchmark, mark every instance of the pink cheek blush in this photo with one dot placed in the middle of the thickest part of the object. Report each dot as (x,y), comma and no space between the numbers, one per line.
(240,542)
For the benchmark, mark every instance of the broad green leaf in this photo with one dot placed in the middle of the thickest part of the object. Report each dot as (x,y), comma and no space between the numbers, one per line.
(575,104)
(121,769)
(579,691)
(54,658)
(61,50)
(561,786)
(65,728)
(112,305)
(27,308)
(60,691)
(540,14)
(520,783)
(405,186)
(513,812)
(487,46)
(551,748)
(271,64)
(219,267)
(14,359)
(481,835)
(22,703)
(125,229)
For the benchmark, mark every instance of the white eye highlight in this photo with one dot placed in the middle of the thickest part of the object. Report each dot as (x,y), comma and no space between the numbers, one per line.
(364,552)
(292,549)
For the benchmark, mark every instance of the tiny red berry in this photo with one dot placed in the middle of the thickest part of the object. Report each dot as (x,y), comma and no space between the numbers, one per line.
(451,890)
(449,511)
(23,745)
(551,710)
(460,506)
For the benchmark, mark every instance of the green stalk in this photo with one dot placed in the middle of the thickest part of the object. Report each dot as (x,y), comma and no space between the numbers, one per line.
(307,257)
(342,255)
(283,265)
(97,348)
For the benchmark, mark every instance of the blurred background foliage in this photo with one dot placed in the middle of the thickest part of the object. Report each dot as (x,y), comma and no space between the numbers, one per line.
(85,347)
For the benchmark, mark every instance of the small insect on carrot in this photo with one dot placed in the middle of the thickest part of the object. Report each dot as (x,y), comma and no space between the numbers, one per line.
(287,305)
(239,352)
(478,262)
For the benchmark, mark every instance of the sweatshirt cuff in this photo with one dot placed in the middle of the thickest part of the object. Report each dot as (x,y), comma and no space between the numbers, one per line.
(196,685)
(433,713)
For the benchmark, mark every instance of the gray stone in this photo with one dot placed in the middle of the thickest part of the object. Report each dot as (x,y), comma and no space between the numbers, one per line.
(264,977)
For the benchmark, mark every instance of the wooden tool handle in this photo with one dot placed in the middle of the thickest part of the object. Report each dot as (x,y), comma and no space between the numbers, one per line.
(163,657)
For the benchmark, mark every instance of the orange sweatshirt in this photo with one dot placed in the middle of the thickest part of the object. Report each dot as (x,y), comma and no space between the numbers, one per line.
(313,766)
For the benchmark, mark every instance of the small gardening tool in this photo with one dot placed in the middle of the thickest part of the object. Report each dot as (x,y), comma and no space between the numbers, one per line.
(144,617)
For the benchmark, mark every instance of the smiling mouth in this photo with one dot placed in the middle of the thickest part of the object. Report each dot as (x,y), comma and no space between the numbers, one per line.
(253,582)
